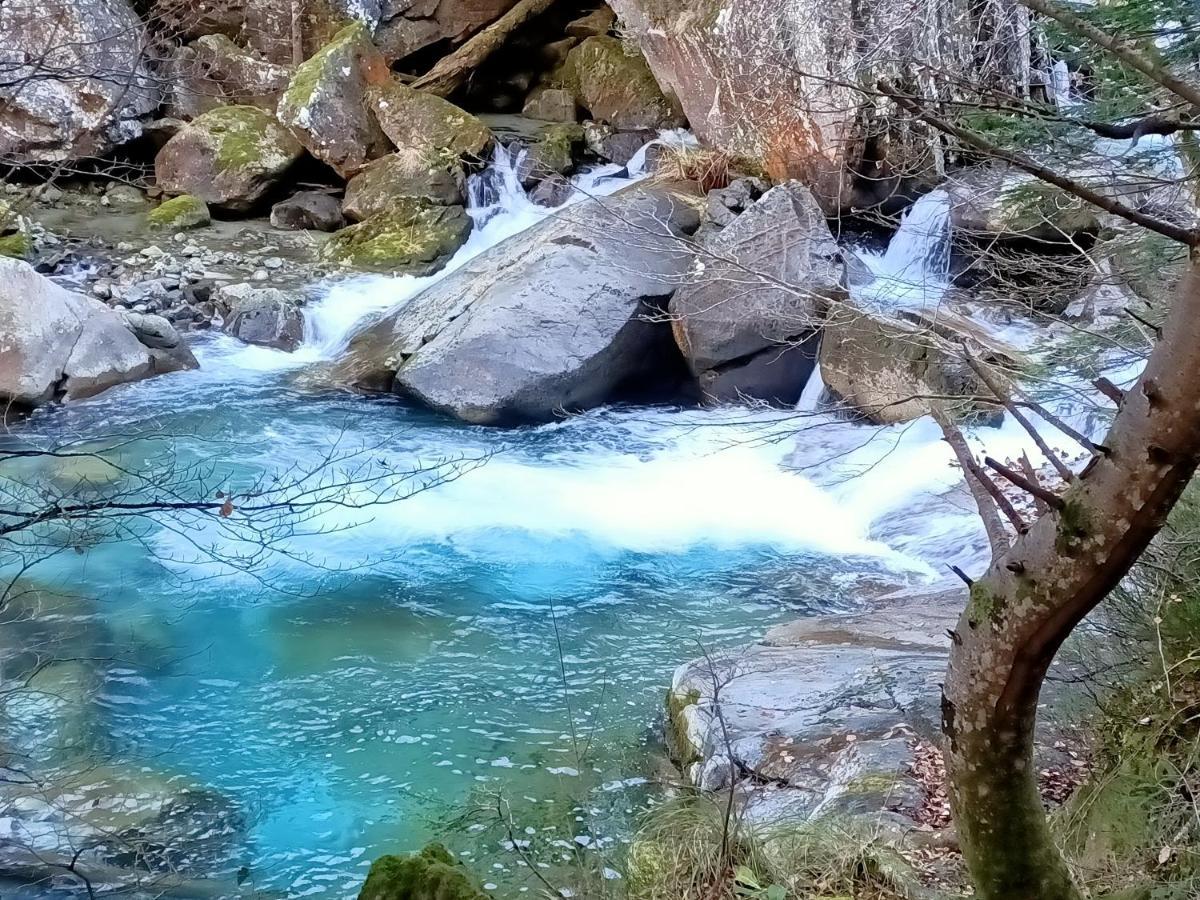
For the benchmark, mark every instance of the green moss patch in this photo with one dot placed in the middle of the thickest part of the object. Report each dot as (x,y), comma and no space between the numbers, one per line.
(16,246)
(414,237)
(180,213)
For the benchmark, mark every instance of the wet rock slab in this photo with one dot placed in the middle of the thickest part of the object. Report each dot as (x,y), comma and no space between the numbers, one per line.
(819,718)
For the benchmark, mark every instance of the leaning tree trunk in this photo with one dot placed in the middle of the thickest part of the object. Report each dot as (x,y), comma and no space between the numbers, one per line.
(1037,591)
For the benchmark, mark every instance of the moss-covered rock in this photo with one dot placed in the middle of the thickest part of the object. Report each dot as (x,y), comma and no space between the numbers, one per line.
(680,745)
(180,213)
(413,236)
(995,202)
(326,103)
(432,874)
(416,120)
(435,178)
(18,245)
(614,83)
(554,153)
(229,158)
(887,369)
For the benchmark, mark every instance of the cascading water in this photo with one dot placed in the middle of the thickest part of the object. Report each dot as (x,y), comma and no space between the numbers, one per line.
(1060,84)
(500,209)
(914,270)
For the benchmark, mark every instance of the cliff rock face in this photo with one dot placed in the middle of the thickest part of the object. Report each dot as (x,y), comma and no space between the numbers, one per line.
(45,117)
(772,81)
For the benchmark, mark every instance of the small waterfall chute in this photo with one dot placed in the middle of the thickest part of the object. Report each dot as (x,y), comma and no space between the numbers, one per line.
(814,390)
(914,271)
(1060,84)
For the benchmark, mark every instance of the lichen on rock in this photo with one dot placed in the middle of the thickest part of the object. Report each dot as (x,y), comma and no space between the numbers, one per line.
(325,104)
(422,121)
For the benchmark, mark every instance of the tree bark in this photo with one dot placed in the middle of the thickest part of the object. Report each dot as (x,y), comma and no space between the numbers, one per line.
(453,70)
(1037,591)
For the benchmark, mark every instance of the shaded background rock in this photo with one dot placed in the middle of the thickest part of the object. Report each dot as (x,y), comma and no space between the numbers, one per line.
(102,43)
(308,210)
(783,114)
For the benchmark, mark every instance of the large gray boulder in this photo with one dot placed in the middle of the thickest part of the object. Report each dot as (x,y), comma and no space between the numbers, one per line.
(760,285)
(818,719)
(54,343)
(103,88)
(557,319)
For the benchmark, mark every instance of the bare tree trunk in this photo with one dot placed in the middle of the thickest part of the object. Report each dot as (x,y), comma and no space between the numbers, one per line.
(1037,591)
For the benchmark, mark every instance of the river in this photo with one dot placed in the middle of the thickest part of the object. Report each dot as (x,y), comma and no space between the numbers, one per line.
(505,638)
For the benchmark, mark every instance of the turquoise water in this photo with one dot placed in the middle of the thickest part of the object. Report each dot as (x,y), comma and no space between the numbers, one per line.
(507,637)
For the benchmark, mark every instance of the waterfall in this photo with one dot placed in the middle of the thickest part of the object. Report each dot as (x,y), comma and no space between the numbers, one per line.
(497,189)
(814,389)
(499,208)
(914,270)
(1060,84)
